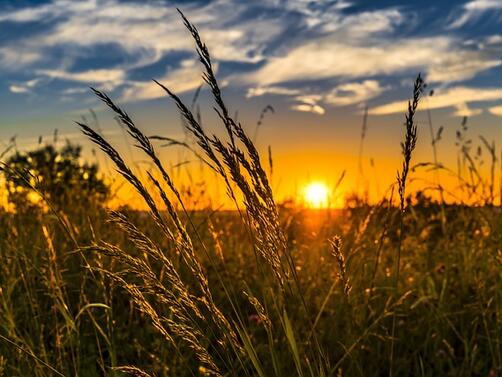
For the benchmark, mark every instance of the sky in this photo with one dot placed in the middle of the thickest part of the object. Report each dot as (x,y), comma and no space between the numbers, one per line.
(319,64)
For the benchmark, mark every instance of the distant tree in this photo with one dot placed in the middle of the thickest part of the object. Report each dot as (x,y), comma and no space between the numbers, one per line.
(58,174)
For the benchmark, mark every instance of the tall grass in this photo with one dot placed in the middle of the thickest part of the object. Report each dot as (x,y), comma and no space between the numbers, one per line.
(407,147)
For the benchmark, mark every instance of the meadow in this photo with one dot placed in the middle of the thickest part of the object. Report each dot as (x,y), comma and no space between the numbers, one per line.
(408,286)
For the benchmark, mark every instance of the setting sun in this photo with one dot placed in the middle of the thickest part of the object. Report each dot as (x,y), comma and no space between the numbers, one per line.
(316,195)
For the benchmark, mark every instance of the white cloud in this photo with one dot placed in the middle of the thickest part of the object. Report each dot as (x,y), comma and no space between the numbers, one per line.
(309,99)
(360,26)
(93,75)
(462,110)
(342,95)
(494,39)
(107,78)
(457,97)
(496,110)
(32,83)
(309,103)
(260,91)
(304,107)
(179,80)
(76,90)
(24,87)
(148,31)
(460,66)
(18,89)
(13,58)
(473,10)
(328,57)
(353,93)
(327,16)
(315,14)
(482,5)
(54,9)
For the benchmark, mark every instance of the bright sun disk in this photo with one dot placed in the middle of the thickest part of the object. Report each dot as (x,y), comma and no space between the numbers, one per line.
(316,195)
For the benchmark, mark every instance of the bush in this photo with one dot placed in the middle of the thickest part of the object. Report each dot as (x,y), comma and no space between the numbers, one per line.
(57,175)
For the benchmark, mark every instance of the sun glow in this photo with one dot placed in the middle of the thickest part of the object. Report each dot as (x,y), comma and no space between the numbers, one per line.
(316,195)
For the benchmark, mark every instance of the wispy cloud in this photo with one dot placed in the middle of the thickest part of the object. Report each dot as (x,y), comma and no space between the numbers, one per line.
(107,78)
(458,97)
(472,10)
(18,89)
(146,30)
(23,87)
(496,110)
(354,93)
(179,80)
(50,10)
(15,58)
(278,90)
(309,103)
(309,108)
(442,58)
(75,90)
(462,110)
(346,94)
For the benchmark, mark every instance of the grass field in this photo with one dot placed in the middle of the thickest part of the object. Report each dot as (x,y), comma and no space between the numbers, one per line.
(406,286)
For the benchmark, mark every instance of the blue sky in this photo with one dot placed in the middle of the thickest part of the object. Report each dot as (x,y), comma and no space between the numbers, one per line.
(314,54)
(316,62)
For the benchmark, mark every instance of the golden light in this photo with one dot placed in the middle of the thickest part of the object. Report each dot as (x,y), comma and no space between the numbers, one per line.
(316,195)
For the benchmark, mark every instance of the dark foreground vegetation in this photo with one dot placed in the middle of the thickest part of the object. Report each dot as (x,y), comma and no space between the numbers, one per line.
(269,290)
(62,306)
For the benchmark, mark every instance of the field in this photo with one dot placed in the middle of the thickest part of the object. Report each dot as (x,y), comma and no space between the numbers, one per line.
(407,286)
